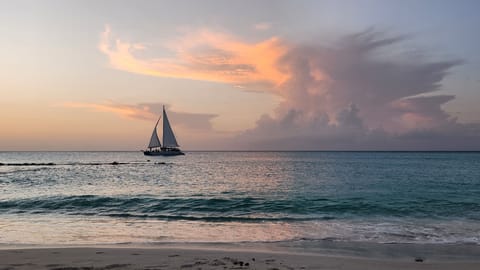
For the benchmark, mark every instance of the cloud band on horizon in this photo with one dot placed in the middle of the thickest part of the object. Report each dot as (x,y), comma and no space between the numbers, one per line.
(150,112)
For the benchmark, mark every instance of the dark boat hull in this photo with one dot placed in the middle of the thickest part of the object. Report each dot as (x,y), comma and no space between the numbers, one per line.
(163,153)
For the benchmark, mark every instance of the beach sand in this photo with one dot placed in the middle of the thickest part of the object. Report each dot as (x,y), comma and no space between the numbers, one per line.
(221,257)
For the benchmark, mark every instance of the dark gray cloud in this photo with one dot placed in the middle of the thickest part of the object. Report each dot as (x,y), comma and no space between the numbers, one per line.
(358,95)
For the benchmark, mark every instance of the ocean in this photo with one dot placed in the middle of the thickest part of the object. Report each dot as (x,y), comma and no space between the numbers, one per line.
(84,198)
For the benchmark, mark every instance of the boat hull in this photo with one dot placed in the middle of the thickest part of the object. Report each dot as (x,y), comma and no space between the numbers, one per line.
(163,153)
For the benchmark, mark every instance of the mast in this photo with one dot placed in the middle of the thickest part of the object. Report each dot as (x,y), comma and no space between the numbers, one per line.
(154,141)
(169,139)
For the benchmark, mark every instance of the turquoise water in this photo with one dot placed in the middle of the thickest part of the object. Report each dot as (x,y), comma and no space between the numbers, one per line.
(384,197)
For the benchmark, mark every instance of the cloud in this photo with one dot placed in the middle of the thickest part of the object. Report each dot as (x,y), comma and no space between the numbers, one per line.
(353,94)
(202,55)
(194,131)
(350,72)
(150,112)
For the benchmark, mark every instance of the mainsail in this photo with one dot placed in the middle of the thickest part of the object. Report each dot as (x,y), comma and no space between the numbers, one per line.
(168,136)
(154,141)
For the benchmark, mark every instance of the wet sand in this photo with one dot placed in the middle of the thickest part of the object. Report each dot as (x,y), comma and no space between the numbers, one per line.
(224,257)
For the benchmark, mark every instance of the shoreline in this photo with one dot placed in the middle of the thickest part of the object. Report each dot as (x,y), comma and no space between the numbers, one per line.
(327,255)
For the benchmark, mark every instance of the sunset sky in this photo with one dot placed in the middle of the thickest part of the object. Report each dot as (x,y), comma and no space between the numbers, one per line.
(241,75)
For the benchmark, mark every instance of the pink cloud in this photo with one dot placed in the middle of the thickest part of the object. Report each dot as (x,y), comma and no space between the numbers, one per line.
(203,55)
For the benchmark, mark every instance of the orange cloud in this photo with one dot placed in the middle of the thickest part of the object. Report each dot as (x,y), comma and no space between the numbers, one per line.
(122,110)
(203,55)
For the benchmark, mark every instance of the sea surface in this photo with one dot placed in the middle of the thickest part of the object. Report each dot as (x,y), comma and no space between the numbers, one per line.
(83,198)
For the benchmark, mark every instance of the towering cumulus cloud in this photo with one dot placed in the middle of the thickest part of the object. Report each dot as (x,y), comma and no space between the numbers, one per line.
(354,94)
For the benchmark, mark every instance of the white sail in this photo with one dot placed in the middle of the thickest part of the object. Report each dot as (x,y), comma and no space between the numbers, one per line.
(154,141)
(168,136)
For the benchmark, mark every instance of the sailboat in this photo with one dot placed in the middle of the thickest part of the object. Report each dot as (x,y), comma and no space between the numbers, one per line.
(170,146)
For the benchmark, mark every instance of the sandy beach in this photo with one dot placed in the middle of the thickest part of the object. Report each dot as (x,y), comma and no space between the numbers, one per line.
(225,257)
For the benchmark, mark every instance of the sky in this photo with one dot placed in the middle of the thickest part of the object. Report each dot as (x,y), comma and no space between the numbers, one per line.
(240,75)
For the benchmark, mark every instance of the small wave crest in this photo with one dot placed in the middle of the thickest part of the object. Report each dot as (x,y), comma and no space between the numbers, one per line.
(193,209)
